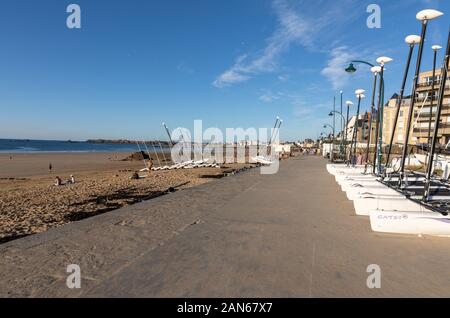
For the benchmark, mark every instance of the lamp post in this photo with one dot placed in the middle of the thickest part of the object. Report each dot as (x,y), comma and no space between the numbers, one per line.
(336,112)
(332,113)
(435,49)
(351,68)
(329,126)
(348,103)
(424,17)
(360,95)
(375,70)
(382,61)
(411,40)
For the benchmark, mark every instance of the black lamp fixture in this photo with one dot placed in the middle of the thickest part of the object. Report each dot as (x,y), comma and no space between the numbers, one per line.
(350,68)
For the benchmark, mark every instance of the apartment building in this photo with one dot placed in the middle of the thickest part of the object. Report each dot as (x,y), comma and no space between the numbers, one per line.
(389,118)
(421,116)
(363,127)
(426,100)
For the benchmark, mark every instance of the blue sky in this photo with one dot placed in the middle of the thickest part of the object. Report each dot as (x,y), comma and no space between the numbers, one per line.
(233,63)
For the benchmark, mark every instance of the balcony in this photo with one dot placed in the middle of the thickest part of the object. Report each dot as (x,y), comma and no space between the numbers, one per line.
(429,83)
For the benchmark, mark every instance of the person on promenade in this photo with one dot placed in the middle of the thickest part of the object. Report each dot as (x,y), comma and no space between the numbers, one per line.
(359,161)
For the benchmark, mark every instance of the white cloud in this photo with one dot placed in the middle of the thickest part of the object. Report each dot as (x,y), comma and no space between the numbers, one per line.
(300,22)
(335,69)
(234,75)
(269,97)
(284,77)
(184,68)
(292,28)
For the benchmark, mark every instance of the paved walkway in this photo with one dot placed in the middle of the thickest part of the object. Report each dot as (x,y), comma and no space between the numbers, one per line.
(293,234)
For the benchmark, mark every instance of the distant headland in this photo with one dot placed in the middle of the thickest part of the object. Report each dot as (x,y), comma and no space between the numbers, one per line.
(123,141)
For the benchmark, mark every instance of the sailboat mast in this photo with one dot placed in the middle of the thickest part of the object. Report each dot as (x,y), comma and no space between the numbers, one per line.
(444,74)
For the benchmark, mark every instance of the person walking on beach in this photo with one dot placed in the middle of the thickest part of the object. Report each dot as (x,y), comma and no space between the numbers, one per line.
(50,167)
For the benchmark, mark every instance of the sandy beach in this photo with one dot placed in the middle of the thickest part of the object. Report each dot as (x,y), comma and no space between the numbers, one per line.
(30,203)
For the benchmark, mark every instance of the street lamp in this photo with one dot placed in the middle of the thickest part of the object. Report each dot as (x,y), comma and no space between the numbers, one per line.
(411,40)
(423,16)
(435,48)
(328,126)
(332,113)
(336,112)
(379,136)
(360,95)
(351,68)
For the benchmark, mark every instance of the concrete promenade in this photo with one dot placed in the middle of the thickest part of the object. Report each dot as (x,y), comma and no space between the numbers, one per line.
(292,234)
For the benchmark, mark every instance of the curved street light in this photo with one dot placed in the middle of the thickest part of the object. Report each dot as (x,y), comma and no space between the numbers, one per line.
(351,68)
(336,112)
(328,126)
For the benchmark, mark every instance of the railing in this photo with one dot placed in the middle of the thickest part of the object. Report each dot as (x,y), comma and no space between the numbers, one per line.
(429,83)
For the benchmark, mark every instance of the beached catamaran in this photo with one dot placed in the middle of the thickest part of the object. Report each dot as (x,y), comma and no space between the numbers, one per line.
(398,201)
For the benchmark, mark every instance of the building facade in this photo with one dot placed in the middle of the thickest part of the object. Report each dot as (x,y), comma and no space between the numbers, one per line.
(389,117)
(426,100)
(421,116)
(363,128)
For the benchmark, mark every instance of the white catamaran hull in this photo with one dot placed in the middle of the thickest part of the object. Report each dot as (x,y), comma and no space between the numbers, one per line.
(343,178)
(347,171)
(336,168)
(347,186)
(417,222)
(364,204)
(373,191)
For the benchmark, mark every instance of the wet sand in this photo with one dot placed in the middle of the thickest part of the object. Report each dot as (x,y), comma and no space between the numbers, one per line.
(30,202)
